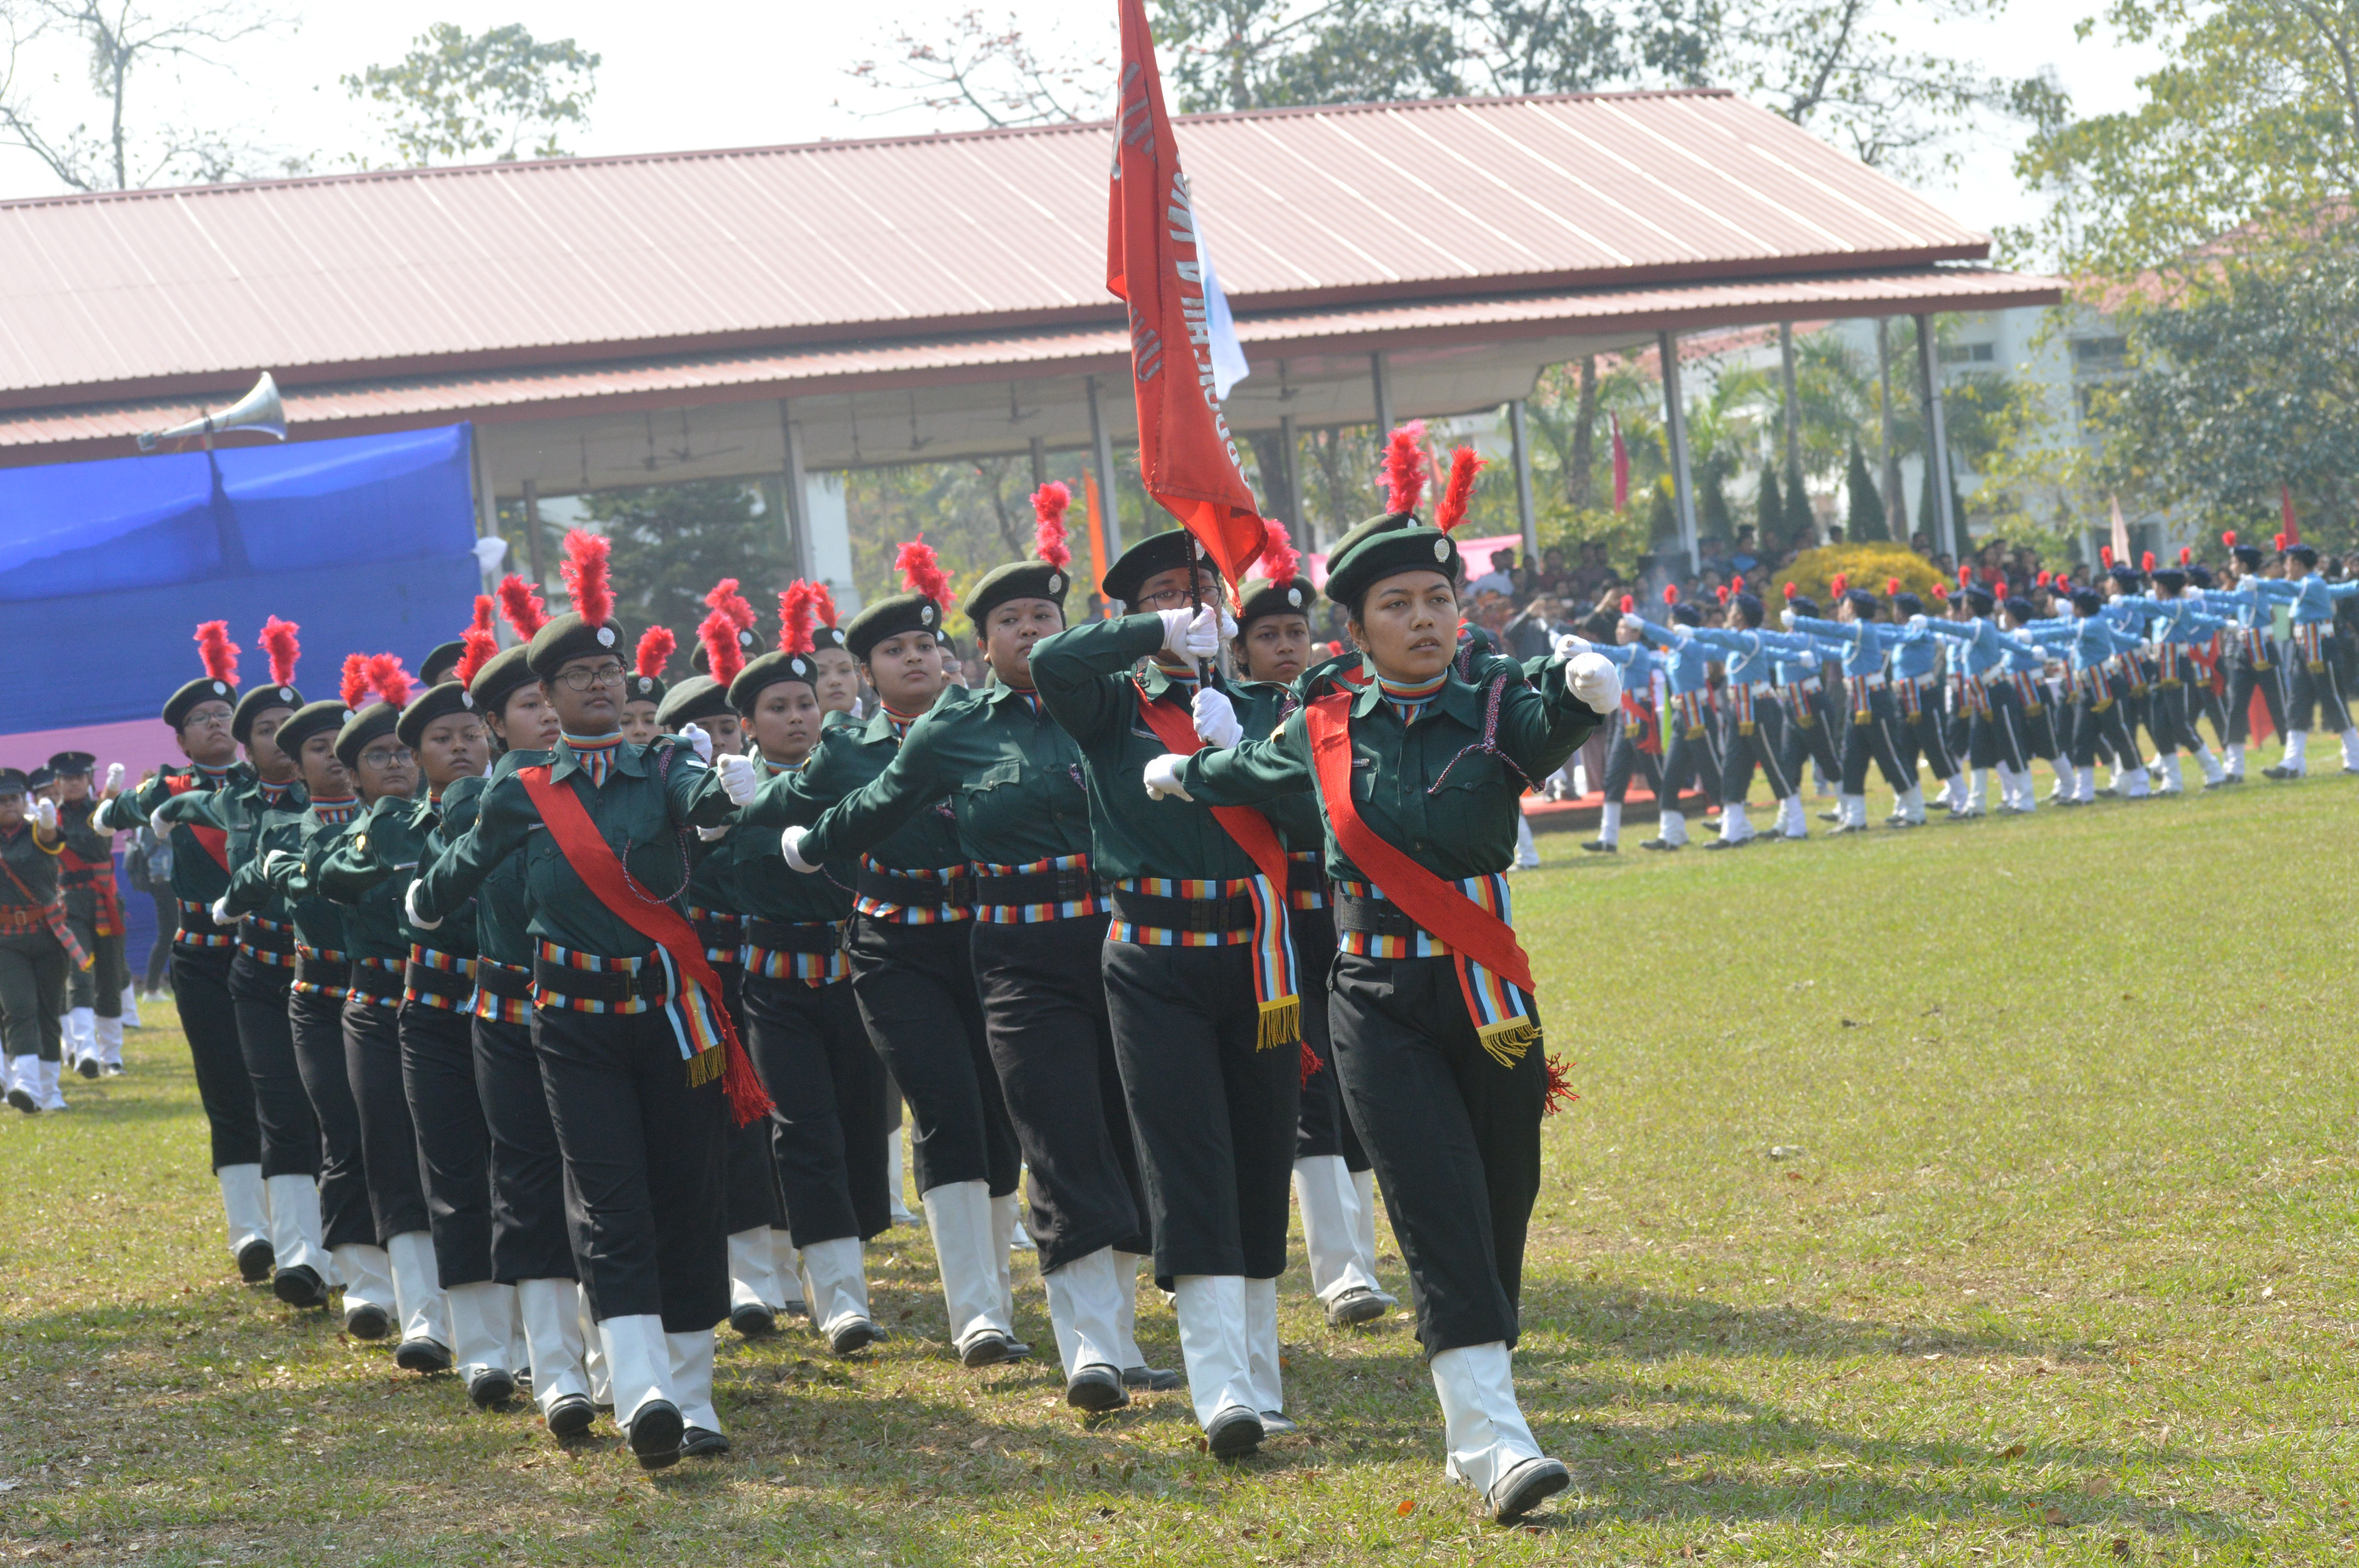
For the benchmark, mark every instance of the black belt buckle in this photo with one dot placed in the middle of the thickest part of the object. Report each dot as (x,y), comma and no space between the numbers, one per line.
(457,985)
(504,980)
(1066,885)
(785,937)
(327,974)
(1373,916)
(1209,916)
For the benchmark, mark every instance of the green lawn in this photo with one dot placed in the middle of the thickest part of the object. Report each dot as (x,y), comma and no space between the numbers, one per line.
(2061,1272)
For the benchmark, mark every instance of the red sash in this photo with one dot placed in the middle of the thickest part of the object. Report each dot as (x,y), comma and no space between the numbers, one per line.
(52,914)
(214,841)
(1425,898)
(594,862)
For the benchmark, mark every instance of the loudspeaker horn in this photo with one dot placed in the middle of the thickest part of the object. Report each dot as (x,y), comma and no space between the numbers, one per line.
(259,410)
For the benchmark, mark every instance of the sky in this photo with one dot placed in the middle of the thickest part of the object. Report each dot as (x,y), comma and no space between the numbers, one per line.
(719,73)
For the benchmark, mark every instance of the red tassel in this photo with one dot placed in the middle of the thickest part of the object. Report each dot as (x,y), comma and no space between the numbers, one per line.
(654,652)
(748,1101)
(1465,464)
(278,640)
(1560,1086)
(586,576)
(795,618)
(1311,1063)
(921,571)
(388,679)
(354,689)
(1403,467)
(219,654)
(1049,504)
(521,608)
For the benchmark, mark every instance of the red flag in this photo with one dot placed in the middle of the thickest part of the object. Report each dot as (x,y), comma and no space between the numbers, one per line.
(1621,467)
(2285,505)
(1186,454)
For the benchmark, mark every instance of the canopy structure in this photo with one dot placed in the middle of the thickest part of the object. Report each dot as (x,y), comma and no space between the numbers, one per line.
(609,322)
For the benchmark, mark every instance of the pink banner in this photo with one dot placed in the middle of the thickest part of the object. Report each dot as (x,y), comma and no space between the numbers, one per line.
(139,744)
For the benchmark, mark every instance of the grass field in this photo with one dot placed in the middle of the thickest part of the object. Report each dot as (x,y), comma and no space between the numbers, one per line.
(2061,1273)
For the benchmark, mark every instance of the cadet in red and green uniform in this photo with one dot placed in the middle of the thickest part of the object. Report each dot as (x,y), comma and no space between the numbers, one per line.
(1200,982)
(94,914)
(1014,782)
(803,1027)
(198,714)
(1436,1040)
(36,948)
(368,871)
(912,967)
(1334,1184)
(637,1055)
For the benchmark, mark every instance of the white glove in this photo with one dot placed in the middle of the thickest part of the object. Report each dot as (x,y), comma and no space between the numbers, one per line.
(45,815)
(1163,776)
(157,824)
(1917,623)
(1216,719)
(695,736)
(1681,632)
(1567,644)
(1595,680)
(1786,617)
(737,780)
(1190,635)
(791,842)
(713,835)
(1809,660)
(219,910)
(1632,623)
(409,907)
(114,780)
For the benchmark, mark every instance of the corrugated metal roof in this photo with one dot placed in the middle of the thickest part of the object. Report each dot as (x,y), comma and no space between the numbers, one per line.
(397,273)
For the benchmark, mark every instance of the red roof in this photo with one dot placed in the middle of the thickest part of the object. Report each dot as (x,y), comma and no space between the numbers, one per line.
(522,267)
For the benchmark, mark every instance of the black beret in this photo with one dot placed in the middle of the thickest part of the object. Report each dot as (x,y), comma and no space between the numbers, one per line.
(441,660)
(12,782)
(204,689)
(766,672)
(2200,575)
(2249,557)
(438,702)
(2127,576)
(72,765)
(502,675)
(1904,605)
(1263,597)
(1749,606)
(698,696)
(824,637)
(2088,600)
(1163,552)
(1018,579)
(2305,554)
(2171,578)
(371,724)
(1803,604)
(890,617)
(310,719)
(1384,547)
(637,688)
(568,637)
(1862,603)
(256,703)
(1978,598)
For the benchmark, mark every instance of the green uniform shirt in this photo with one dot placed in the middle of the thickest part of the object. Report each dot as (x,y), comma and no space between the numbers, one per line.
(286,844)
(762,886)
(502,924)
(1261,707)
(1083,674)
(1013,776)
(94,845)
(370,869)
(197,876)
(848,758)
(1418,786)
(241,810)
(33,863)
(641,812)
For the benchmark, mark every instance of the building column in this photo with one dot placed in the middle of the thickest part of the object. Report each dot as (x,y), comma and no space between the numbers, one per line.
(532,540)
(1525,512)
(1040,461)
(1102,455)
(795,485)
(1380,376)
(1675,423)
(1937,440)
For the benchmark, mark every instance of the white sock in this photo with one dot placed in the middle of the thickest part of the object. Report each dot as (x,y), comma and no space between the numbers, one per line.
(786,1268)
(552,1338)
(1262,1348)
(2351,748)
(835,1275)
(1211,1312)
(753,1269)
(691,1378)
(1609,823)
(366,1275)
(246,1203)
(2236,757)
(479,1326)
(1484,1432)
(1912,803)
(1735,825)
(2137,785)
(417,1287)
(2213,772)
(639,1364)
(1673,828)
(2297,750)
(1085,1310)
(970,1252)
(295,1223)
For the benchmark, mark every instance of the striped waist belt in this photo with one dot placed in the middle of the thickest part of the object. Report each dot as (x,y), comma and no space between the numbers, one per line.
(376,982)
(923,897)
(793,936)
(197,927)
(2256,645)
(1063,888)
(26,919)
(722,932)
(1305,879)
(436,979)
(1204,916)
(503,991)
(268,942)
(592,983)
(323,972)
(807,950)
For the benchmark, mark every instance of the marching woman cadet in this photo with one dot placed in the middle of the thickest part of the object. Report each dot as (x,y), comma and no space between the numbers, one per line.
(1752,726)
(2091,641)
(1689,752)
(1437,1039)
(1810,723)
(2030,709)
(203,950)
(1986,695)
(1013,779)
(2314,689)
(36,948)
(269,884)
(94,914)
(1917,727)
(1869,732)
(639,1058)
(2173,625)
(369,869)
(910,947)
(2253,665)
(803,1028)
(1200,980)
(1637,739)
(1334,1183)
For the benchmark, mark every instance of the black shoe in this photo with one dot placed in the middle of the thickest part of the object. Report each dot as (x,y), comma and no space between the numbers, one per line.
(1724,844)
(1524,1488)
(116,1069)
(256,1259)
(1278,1423)
(1154,1379)
(702,1443)
(2280,772)
(1600,846)
(853,1333)
(1831,817)
(989,1347)
(655,1434)
(1357,1305)
(1235,1434)
(753,1321)
(422,1356)
(2232,778)
(367,1321)
(491,1386)
(1663,844)
(570,1417)
(795,1309)
(89,1066)
(1096,1390)
(300,1286)
(23,1101)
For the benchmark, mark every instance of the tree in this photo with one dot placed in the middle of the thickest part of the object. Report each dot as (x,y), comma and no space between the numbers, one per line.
(1863,521)
(501,93)
(1801,518)
(986,70)
(673,542)
(1768,508)
(122,43)
(1713,519)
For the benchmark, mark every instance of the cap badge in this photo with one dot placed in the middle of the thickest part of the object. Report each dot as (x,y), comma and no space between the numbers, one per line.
(1294,597)
(925,615)
(220,691)
(466,699)
(286,694)
(605,636)
(1056,582)
(1442,549)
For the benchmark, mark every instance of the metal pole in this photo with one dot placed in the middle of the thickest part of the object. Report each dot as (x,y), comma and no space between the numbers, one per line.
(1937,437)
(532,545)
(1674,422)
(1791,409)
(1287,439)
(1895,509)
(797,486)
(1101,449)
(1380,375)
(1040,461)
(1524,510)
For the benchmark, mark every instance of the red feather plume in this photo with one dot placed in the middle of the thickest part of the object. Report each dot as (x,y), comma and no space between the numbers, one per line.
(724,656)
(1465,464)
(1670,593)
(921,571)
(1628,604)
(1788,591)
(726,599)
(654,652)
(354,688)
(795,617)
(2044,578)
(1891,586)
(1049,504)
(219,654)
(1839,586)
(278,640)
(585,576)
(1942,591)
(1280,561)
(392,682)
(2228,539)
(1720,593)
(2278,540)
(2186,554)
(1403,467)
(2146,562)
(2106,557)
(521,608)
(823,602)
(1736,583)
(1965,577)
(477,643)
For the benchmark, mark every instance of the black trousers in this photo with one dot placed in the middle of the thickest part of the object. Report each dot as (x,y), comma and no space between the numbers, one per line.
(749,1176)
(316,1027)
(290,1132)
(2204,703)
(1456,1138)
(527,1176)
(159,952)
(397,1178)
(208,1017)
(1044,1014)
(1997,736)
(32,994)
(2316,695)
(1321,1126)
(1622,755)
(1799,744)
(643,1166)
(1920,737)
(1875,739)
(1739,752)
(1214,1115)
(100,987)
(2244,679)
(2169,719)
(2094,726)
(454,1143)
(915,985)
(1687,760)
(827,1094)
(2034,731)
